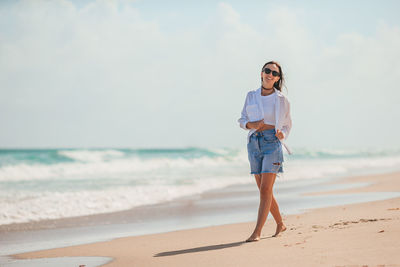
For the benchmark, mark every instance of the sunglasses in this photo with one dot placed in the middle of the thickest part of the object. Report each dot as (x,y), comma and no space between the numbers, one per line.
(268,71)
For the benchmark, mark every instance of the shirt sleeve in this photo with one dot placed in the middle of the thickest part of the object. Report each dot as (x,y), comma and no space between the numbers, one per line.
(287,126)
(243,118)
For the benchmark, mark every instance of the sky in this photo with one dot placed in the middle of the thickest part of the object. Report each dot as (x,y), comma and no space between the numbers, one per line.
(171,74)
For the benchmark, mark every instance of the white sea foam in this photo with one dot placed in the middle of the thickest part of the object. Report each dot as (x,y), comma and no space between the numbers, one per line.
(28,206)
(309,169)
(95,168)
(91,155)
(112,180)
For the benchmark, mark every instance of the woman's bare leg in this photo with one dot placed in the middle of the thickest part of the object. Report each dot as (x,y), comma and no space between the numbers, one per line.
(266,187)
(273,206)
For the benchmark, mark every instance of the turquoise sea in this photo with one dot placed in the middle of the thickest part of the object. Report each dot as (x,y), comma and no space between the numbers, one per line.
(39,184)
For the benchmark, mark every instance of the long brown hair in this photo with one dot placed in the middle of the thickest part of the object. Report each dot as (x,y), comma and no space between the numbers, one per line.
(278,85)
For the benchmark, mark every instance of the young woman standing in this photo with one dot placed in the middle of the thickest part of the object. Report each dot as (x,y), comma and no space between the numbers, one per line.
(266,114)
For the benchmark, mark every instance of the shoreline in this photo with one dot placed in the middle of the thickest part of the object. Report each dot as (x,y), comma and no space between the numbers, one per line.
(224,245)
(376,183)
(318,186)
(317,230)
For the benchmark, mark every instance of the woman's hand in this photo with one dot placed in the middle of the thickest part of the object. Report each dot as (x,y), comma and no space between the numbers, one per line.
(279,135)
(255,124)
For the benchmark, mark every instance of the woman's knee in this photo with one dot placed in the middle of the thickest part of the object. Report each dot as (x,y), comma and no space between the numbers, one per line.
(266,191)
(267,183)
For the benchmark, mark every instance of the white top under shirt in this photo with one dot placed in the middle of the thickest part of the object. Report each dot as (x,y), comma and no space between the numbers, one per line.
(268,102)
(253,110)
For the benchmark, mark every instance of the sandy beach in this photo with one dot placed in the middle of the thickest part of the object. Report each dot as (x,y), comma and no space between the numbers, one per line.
(131,132)
(363,234)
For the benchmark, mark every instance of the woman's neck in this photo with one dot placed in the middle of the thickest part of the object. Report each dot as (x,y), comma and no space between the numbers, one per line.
(267,91)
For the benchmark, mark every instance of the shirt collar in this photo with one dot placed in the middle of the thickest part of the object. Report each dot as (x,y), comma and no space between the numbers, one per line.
(278,93)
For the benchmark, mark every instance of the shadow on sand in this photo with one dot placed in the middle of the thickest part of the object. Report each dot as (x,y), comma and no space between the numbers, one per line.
(205,248)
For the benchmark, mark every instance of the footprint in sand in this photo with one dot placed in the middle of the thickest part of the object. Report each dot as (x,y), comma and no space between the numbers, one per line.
(297,243)
(341,223)
(368,220)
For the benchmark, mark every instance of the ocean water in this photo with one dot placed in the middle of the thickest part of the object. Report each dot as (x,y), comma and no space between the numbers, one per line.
(38,184)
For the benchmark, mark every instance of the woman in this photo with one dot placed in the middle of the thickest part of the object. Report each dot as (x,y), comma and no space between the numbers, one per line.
(266,113)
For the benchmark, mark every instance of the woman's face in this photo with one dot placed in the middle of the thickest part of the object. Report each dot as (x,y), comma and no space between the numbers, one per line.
(268,80)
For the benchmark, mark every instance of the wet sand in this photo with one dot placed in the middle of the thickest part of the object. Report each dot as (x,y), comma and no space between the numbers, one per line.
(345,235)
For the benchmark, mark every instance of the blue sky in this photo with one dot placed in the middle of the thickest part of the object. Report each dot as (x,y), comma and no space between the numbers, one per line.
(157,74)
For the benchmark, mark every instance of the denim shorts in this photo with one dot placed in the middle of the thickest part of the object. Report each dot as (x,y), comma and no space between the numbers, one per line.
(265,152)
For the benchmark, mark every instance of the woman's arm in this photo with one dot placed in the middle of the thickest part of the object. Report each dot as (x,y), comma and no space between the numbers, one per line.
(288,121)
(255,124)
(244,120)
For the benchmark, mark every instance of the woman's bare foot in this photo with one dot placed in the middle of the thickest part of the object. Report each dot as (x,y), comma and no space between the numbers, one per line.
(253,238)
(280,227)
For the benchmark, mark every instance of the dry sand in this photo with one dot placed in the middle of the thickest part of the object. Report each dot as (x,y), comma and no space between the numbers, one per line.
(366,234)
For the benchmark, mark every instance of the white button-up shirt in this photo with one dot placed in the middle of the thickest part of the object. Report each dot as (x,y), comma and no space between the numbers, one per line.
(253,111)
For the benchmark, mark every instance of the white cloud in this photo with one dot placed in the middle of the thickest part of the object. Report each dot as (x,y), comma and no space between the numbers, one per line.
(104,75)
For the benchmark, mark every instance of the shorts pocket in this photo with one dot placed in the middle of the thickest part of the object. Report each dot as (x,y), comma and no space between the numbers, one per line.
(252,146)
(270,139)
(273,149)
(280,152)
